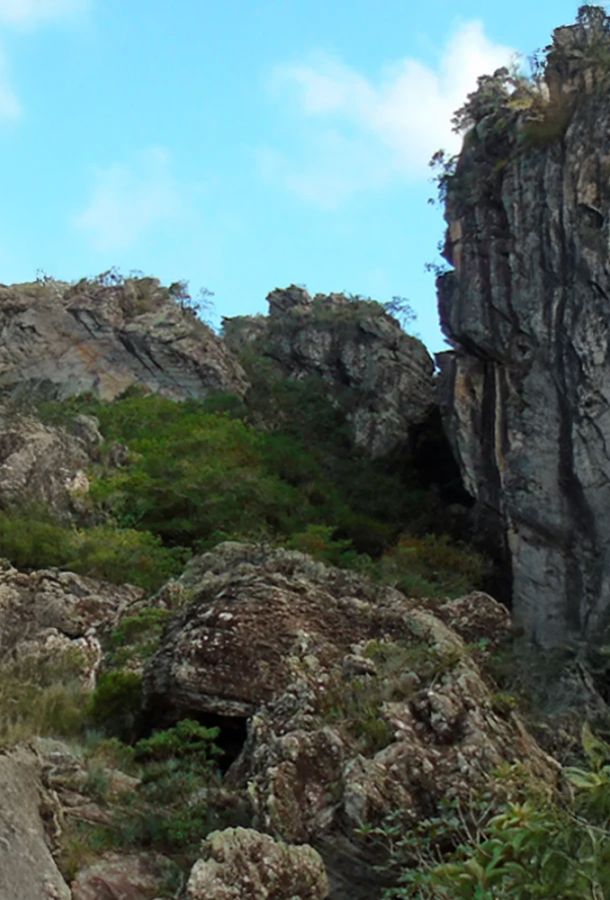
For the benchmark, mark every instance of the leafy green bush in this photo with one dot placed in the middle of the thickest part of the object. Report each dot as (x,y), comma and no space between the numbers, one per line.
(187,739)
(32,540)
(116,703)
(532,844)
(433,566)
(137,637)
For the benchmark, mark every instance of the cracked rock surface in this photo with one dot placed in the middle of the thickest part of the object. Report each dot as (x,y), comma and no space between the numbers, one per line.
(526,391)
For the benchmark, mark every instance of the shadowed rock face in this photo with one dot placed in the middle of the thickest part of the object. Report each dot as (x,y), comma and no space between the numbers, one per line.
(526,391)
(379,374)
(101,338)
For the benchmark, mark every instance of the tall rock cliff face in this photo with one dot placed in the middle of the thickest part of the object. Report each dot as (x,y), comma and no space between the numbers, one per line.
(381,376)
(526,389)
(105,336)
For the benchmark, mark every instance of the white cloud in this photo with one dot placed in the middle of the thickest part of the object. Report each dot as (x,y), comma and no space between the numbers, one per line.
(127,202)
(359,133)
(29,13)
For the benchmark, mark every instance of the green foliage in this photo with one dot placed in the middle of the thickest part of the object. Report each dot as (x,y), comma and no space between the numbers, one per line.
(137,637)
(169,810)
(41,697)
(115,704)
(530,845)
(187,739)
(32,540)
(432,566)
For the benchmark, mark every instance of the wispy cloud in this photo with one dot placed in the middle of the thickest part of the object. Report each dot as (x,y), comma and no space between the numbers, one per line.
(128,202)
(30,13)
(358,133)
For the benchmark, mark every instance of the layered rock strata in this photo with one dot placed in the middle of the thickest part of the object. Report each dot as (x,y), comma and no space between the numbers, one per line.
(526,390)
(106,336)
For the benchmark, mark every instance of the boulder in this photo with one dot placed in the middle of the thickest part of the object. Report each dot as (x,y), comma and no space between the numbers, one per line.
(73,605)
(46,465)
(123,876)
(243,864)
(360,701)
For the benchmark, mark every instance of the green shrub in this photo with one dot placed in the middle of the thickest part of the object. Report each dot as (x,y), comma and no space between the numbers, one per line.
(187,739)
(137,637)
(433,566)
(125,555)
(32,540)
(115,704)
(524,842)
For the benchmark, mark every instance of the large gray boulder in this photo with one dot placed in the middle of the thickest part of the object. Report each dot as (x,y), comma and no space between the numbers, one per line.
(526,391)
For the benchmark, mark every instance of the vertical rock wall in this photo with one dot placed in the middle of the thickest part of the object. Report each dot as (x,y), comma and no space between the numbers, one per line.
(526,391)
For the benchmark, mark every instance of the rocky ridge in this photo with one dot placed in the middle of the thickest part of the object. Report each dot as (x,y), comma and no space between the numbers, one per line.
(106,336)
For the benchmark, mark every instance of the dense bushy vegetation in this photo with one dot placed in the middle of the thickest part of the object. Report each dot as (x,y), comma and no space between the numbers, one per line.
(199,472)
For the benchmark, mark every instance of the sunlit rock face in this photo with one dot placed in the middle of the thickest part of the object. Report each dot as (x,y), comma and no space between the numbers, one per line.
(381,376)
(526,390)
(106,336)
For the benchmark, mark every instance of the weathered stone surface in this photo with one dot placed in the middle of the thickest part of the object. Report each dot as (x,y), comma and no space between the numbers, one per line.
(106,337)
(242,864)
(527,389)
(360,701)
(48,616)
(372,368)
(73,605)
(118,876)
(46,465)
(27,868)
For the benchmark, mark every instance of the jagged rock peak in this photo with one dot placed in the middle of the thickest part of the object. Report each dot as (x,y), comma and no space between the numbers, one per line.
(526,391)
(381,376)
(106,335)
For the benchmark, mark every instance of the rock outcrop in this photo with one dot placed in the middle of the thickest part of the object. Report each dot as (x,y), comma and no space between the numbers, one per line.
(526,390)
(27,868)
(359,700)
(242,864)
(44,465)
(381,376)
(106,336)
(47,616)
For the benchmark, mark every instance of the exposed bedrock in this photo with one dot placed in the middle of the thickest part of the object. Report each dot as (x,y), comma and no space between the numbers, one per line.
(381,377)
(526,390)
(106,336)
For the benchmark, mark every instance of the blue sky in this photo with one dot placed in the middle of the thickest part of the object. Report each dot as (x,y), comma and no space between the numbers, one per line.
(240,144)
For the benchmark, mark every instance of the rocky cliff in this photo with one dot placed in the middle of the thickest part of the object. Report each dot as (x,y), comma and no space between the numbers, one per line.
(106,335)
(526,389)
(381,376)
